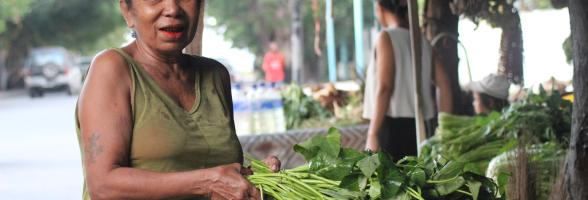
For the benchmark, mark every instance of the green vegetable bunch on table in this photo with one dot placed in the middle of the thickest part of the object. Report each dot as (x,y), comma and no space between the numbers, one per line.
(538,119)
(332,172)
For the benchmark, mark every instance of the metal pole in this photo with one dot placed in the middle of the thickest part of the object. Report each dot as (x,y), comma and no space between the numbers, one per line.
(296,39)
(358,25)
(332,59)
(416,42)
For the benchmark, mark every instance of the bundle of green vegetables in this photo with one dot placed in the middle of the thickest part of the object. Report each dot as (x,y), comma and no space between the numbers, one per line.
(299,108)
(333,172)
(540,118)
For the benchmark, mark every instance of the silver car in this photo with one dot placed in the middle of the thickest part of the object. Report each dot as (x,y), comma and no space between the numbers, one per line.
(51,69)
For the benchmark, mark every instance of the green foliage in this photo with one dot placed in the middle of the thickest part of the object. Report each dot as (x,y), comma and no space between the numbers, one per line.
(12,11)
(369,175)
(248,22)
(568,49)
(541,118)
(299,107)
(75,24)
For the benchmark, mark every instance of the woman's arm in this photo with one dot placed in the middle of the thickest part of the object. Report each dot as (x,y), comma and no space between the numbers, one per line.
(272,161)
(106,127)
(441,80)
(384,87)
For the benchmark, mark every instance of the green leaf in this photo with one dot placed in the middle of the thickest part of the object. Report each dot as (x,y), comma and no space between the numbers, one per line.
(390,176)
(321,161)
(336,172)
(351,182)
(450,170)
(332,144)
(399,196)
(321,150)
(340,193)
(310,148)
(369,165)
(450,186)
(351,155)
(363,181)
(503,182)
(474,187)
(375,190)
(417,176)
(390,188)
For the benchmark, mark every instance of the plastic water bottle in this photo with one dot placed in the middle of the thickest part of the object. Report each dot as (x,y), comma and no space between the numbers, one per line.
(241,110)
(266,116)
(278,109)
(255,105)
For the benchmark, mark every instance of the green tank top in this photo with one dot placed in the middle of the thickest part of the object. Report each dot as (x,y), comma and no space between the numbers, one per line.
(166,137)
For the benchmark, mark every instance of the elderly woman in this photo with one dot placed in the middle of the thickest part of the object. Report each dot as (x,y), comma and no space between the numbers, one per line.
(154,123)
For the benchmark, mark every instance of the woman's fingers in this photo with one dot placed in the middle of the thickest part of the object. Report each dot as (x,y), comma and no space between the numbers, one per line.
(246,171)
(273,163)
(254,193)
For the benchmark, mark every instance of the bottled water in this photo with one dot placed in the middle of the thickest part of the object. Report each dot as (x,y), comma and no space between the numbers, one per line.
(278,109)
(266,116)
(241,110)
(255,103)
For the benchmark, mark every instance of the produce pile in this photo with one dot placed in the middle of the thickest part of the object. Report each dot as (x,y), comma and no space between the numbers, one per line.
(298,107)
(540,123)
(323,107)
(336,173)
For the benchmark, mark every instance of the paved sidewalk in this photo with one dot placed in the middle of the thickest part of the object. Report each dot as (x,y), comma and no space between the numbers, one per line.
(12,93)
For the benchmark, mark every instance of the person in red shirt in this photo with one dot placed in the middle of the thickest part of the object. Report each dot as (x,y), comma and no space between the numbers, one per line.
(273,64)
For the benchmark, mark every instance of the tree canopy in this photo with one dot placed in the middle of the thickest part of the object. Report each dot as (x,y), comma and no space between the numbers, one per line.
(75,24)
(84,26)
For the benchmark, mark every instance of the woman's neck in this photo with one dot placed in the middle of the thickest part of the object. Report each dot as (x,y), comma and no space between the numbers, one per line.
(167,62)
(392,21)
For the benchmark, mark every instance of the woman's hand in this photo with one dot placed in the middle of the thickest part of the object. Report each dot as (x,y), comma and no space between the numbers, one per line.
(228,183)
(273,163)
(371,143)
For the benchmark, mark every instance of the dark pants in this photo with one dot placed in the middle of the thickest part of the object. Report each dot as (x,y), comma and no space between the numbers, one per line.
(397,136)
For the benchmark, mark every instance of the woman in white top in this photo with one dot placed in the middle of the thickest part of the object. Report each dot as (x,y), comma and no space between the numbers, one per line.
(389,94)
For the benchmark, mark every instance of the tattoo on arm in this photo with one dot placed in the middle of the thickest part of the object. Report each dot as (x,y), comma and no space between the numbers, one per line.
(93,148)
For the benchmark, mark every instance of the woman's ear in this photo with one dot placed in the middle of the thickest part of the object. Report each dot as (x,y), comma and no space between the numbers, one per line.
(125,10)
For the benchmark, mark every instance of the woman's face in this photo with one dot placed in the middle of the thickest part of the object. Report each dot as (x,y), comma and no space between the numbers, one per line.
(478,105)
(165,25)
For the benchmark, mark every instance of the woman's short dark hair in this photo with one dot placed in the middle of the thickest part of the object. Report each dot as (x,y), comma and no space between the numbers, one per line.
(493,103)
(397,7)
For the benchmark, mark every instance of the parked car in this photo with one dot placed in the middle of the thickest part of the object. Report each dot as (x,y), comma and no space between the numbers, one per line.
(84,64)
(52,69)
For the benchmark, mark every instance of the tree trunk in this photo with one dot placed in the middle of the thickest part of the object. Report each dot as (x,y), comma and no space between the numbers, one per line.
(576,179)
(195,47)
(559,3)
(440,19)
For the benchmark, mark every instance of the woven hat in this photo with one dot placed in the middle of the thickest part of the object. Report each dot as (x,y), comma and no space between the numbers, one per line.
(493,85)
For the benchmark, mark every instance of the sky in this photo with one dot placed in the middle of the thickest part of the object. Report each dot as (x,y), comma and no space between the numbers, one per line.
(543,34)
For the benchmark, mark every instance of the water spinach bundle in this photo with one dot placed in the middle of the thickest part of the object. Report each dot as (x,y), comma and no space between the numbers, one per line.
(335,173)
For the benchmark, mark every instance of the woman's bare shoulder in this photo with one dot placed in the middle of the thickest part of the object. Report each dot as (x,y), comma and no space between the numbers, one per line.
(109,65)
(108,74)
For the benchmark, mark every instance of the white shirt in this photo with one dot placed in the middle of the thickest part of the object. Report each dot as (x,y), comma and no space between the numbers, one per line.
(402,103)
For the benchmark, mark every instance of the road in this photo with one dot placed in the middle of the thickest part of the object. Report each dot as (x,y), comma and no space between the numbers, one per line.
(39,152)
